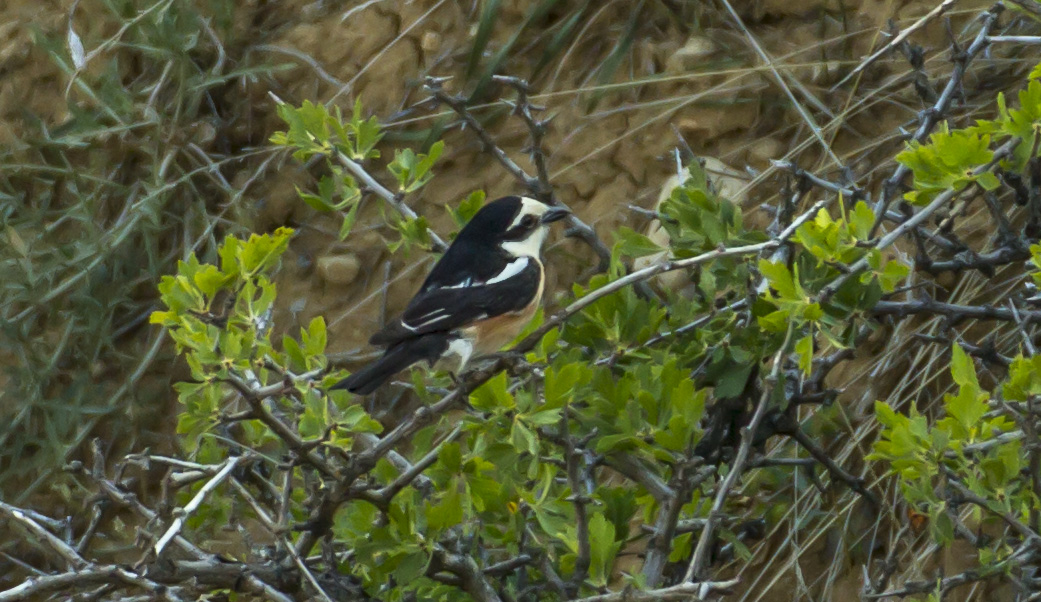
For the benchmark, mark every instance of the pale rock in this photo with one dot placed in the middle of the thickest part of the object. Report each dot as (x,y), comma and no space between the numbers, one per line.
(339,270)
(430,42)
(763,150)
(696,49)
(707,123)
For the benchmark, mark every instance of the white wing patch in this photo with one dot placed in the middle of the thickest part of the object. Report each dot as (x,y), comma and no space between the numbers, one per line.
(464,284)
(441,314)
(430,318)
(512,269)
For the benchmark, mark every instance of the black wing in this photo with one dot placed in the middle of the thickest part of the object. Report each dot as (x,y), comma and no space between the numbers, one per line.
(447,308)
(463,262)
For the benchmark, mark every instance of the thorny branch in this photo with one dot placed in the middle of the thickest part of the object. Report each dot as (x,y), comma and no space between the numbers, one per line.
(394,200)
(699,561)
(193,505)
(938,111)
(896,41)
(919,217)
(685,591)
(539,184)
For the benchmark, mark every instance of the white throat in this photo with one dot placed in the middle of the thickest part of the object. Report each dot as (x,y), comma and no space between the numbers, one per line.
(528,247)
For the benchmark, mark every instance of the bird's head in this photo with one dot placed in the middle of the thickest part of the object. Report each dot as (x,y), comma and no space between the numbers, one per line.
(517,224)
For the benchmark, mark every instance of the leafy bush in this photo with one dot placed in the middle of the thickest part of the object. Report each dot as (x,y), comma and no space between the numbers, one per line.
(619,427)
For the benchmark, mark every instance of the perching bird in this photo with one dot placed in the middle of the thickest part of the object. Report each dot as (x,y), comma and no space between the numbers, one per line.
(477,298)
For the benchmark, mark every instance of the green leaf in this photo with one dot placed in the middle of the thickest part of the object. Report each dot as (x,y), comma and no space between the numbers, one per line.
(412,566)
(962,368)
(733,382)
(449,510)
(946,162)
(412,171)
(348,221)
(294,354)
(523,439)
(209,279)
(413,232)
(315,418)
(493,395)
(467,208)
(602,548)
(561,382)
(681,548)
(354,418)
(780,278)
(365,134)
(451,457)
(861,220)
(633,244)
(804,350)
(323,201)
(988,180)
(314,338)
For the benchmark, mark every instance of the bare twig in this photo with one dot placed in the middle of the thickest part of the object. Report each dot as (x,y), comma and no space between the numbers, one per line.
(833,468)
(693,592)
(35,587)
(572,459)
(538,185)
(941,199)
(84,572)
(667,524)
(384,193)
(272,526)
(411,474)
(938,585)
(1009,518)
(464,567)
(193,505)
(636,472)
(699,562)
(70,555)
(897,40)
(1014,39)
(953,312)
(254,397)
(207,567)
(933,115)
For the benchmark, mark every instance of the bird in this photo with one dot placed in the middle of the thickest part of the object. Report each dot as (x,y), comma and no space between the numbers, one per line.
(476,299)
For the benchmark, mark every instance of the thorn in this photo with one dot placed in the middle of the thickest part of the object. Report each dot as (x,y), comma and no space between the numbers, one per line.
(435,83)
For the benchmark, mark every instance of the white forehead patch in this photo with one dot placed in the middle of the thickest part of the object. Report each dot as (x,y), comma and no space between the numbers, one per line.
(529,206)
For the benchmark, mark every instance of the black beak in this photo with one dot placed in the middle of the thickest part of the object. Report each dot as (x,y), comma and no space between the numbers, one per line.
(554,214)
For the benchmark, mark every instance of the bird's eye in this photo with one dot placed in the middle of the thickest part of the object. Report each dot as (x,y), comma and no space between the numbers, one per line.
(528,221)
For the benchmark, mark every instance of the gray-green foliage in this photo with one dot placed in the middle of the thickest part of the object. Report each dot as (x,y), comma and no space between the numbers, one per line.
(93,211)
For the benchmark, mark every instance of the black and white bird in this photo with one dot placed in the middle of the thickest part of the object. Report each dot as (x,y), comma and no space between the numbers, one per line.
(478,297)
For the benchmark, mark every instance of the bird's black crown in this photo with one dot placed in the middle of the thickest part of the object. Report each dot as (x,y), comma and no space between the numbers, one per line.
(493,220)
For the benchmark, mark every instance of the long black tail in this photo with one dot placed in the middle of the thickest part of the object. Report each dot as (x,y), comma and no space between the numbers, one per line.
(429,347)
